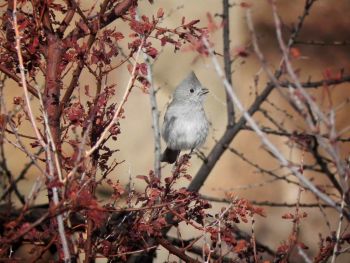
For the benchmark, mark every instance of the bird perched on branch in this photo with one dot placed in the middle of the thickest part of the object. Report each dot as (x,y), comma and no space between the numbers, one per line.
(185,125)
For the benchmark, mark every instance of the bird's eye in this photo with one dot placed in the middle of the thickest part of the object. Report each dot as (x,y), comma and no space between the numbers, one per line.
(191,90)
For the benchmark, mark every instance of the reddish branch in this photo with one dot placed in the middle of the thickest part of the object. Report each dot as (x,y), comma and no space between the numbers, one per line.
(185,205)
(76,74)
(103,19)
(53,86)
(176,251)
(51,106)
(118,11)
(72,5)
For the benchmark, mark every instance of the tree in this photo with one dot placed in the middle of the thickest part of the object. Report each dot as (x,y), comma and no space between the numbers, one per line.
(46,47)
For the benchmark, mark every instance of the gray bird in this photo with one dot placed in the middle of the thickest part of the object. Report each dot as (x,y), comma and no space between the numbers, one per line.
(185,125)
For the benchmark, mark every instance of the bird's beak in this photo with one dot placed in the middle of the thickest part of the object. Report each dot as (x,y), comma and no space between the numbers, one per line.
(204,91)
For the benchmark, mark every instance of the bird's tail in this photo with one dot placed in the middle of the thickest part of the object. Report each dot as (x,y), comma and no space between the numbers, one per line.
(169,155)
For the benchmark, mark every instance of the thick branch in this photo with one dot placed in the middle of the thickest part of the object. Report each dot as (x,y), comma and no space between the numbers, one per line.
(117,12)
(225,140)
(176,251)
(108,18)
(52,87)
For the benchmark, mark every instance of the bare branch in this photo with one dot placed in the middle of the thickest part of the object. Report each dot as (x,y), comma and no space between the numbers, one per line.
(263,137)
(227,60)
(121,104)
(23,77)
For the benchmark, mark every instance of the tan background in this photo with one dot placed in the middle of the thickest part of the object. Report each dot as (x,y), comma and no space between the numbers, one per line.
(329,20)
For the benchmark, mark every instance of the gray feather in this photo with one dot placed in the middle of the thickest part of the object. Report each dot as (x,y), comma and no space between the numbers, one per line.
(185,124)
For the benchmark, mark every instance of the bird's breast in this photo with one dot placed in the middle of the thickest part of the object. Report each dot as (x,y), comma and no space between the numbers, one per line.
(189,130)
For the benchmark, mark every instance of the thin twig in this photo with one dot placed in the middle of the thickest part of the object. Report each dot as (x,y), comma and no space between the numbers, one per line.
(55,196)
(332,150)
(323,43)
(267,203)
(302,253)
(23,76)
(121,104)
(284,162)
(341,217)
(155,118)
(133,252)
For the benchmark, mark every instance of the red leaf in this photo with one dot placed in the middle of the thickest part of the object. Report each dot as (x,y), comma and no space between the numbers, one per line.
(246,5)
(303,215)
(75,112)
(97,216)
(130,68)
(192,23)
(17,100)
(152,52)
(288,216)
(188,177)
(3,121)
(302,245)
(242,52)
(160,13)
(295,52)
(327,74)
(143,177)
(117,36)
(23,25)
(142,68)
(212,26)
(241,245)
(34,45)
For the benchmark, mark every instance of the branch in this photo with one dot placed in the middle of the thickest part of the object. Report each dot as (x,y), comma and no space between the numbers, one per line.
(231,132)
(310,103)
(262,135)
(121,104)
(317,84)
(323,43)
(225,140)
(341,217)
(227,60)
(23,77)
(176,251)
(297,29)
(155,118)
(118,11)
(267,203)
(114,14)
(77,33)
(71,6)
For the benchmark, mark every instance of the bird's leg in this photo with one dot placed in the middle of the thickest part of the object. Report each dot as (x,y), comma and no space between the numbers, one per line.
(190,153)
(201,155)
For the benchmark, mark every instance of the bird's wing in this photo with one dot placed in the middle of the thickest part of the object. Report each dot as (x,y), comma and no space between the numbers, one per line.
(168,126)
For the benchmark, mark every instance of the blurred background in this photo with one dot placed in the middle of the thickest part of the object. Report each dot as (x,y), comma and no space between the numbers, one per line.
(328,21)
